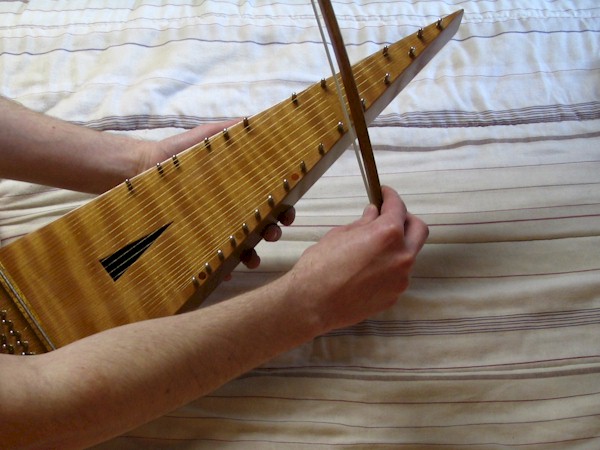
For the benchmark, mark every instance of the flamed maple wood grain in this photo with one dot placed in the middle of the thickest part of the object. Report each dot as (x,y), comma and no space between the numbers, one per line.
(209,194)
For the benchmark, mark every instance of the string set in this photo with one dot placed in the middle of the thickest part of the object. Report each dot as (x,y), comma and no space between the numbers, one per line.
(299,143)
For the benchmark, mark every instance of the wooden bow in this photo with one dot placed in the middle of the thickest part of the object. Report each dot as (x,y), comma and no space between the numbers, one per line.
(354,103)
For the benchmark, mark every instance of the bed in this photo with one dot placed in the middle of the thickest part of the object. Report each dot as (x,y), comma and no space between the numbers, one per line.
(495,144)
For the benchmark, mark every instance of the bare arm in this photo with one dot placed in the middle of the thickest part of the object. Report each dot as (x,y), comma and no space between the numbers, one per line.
(44,150)
(40,149)
(104,385)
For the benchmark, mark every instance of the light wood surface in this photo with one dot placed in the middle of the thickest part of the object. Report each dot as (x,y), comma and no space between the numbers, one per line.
(205,207)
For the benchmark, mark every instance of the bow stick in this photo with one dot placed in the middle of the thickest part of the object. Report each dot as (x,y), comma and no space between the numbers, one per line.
(354,103)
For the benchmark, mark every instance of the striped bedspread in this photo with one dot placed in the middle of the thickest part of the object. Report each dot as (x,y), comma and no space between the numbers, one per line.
(496,144)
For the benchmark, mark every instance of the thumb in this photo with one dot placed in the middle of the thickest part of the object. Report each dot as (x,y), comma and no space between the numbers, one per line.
(179,142)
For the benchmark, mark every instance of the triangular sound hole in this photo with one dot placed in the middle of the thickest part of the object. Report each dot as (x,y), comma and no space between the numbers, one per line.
(117,263)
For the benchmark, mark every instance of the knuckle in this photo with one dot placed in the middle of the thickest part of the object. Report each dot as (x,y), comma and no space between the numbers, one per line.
(391,233)
(405,262)
(403,284)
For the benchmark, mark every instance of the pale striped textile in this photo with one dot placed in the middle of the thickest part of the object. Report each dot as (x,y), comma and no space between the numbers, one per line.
(496,144)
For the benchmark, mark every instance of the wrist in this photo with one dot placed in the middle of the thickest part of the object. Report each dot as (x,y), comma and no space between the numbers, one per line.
(120,160)
(303,304)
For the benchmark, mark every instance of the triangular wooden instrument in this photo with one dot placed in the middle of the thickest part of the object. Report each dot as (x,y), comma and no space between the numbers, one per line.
(159,243)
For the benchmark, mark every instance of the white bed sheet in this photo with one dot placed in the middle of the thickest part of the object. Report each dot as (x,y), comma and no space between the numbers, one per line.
(496,144)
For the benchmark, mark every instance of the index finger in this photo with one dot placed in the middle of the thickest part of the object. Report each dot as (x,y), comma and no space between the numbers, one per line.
(392,204)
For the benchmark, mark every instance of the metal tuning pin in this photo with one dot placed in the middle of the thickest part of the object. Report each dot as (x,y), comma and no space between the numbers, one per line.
(208,268)
(294,98)
(232,241)
(271,200)
(420,33)
(221,255)
(257,214)
(340,127)
(245,228)
(302,166)
(386,51)
(321,149)
(323,83)
(129,184)
(386,79)
(412,52)
(195,282)
(439,24)
(226,133)
(207,143)
(160,169)
(175,161)
(363,103)
(286,184)
(246,123)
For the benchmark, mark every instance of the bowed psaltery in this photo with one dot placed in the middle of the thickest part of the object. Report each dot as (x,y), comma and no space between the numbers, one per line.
(161,242)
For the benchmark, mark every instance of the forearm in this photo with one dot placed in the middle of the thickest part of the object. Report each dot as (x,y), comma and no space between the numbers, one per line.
(109,383)
(41,149)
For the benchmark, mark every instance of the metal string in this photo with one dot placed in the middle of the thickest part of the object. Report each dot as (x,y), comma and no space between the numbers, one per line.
(146,213)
